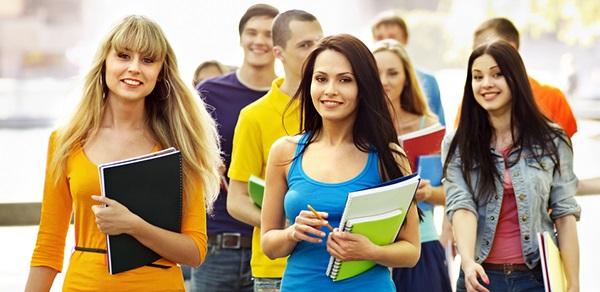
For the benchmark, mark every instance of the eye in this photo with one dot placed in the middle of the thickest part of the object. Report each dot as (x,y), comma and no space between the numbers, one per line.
(148,60)
(393,73)
(320,79)
(498,75)
(123,56)
(477,77)
(346,80)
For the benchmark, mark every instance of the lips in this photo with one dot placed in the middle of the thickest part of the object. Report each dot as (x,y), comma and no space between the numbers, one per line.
(490,95)
(132,82)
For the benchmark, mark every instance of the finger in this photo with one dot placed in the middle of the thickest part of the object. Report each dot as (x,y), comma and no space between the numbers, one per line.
(299,235)
(103,200)
(474,281)
(483,275)
(310,230)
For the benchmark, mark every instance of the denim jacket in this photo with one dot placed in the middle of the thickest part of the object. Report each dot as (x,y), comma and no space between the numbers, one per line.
(537,188)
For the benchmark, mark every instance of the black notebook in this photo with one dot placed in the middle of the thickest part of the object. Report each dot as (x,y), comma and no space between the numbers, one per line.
(151,187)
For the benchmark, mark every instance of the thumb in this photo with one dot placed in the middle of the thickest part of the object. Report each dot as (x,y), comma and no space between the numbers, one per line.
(483,276)
(103,200)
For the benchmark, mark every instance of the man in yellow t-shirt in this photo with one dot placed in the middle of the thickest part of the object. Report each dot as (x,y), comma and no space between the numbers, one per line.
(260,124)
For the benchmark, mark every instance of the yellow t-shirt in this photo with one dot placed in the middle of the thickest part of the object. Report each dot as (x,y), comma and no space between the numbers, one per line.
(88,270)
(259,126)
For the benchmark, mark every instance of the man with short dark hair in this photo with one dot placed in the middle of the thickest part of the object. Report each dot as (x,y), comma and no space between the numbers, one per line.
(389,25)
(295,34)
(227,264)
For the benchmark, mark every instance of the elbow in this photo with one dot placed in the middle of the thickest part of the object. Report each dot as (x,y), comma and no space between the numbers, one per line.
(267,250)
(231,208)
(415,256)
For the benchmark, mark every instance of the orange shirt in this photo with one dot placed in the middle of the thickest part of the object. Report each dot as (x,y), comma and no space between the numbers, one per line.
(89,270)
(552,103)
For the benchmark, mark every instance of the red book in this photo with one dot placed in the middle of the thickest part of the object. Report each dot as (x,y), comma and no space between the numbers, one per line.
(426,141)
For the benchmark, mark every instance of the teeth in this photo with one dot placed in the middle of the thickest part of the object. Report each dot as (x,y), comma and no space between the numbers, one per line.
(331,102)
(131,82)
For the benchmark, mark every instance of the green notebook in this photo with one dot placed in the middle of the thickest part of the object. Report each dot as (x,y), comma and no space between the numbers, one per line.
(256,189)
(368,207)
(378,229)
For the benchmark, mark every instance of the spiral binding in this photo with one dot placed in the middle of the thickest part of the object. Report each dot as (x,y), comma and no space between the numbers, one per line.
(335,268)
(180,189)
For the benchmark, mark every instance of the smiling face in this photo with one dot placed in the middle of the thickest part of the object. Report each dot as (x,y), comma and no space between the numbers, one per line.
(257,42)
(489,86)
(391,73)
(130,75)
(334,89)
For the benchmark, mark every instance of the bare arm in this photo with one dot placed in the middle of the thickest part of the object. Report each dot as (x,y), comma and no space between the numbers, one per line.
(569,249)
(465,228)
(116,219)
(278,240)
(589,186)
(239,204)
(40,279)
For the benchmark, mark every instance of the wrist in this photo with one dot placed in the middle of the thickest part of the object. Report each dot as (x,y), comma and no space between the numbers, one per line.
(136,225)
(290,234)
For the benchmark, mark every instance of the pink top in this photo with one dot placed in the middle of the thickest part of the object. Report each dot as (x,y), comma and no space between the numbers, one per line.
(506,248)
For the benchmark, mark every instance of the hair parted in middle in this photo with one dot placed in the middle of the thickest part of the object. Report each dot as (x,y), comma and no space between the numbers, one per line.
(412,98)
(373,128)
(530,129)
(175,115)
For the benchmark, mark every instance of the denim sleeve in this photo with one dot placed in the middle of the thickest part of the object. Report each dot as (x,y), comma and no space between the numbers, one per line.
(458,195)
(564,185)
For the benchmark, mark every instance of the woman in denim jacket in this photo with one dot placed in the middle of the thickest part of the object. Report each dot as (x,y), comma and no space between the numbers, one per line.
(508,175)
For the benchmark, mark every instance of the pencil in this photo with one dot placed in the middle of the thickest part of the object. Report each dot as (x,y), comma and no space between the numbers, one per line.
(319,216)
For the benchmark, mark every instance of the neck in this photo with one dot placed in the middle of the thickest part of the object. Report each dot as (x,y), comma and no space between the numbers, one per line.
(336,133)
(290,84)
(122,115)
(404,122)
(257,77)
(502,129)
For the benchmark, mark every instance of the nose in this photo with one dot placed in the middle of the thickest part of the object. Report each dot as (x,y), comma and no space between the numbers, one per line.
(134,65)
(330,89)
(487,82)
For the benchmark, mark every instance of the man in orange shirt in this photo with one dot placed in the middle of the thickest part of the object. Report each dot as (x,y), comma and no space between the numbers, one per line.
(550,100)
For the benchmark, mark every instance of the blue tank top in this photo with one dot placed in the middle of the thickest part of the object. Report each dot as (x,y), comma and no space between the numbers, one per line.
(306,266)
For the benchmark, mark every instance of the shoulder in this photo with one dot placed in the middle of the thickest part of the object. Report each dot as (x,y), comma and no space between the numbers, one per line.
(284,148)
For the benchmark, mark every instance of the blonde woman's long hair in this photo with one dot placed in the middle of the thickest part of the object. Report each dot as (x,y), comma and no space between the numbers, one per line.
(176,116)
(412,98)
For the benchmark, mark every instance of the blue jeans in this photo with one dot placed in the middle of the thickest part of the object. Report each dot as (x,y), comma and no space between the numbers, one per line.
(531,281)
(223,270)
(267,284)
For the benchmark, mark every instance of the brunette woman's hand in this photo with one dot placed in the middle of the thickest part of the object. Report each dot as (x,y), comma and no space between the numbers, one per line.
(473,271)
(347,246)
(112,217)
(307,227)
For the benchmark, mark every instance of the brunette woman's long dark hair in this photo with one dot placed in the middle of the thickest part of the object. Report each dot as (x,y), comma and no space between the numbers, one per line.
(373,127)
(530,129)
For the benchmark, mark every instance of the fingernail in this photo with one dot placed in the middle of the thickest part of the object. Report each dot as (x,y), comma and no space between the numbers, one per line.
(322,234)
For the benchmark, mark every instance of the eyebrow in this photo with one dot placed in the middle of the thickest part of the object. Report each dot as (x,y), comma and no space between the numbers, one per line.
(339,74)
(495,66)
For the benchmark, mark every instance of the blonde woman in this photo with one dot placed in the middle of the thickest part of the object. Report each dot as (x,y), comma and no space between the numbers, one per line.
(410,113)
(133,103)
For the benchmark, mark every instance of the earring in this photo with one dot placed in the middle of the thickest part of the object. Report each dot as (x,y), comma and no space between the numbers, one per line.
(168,85)
(102,86)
